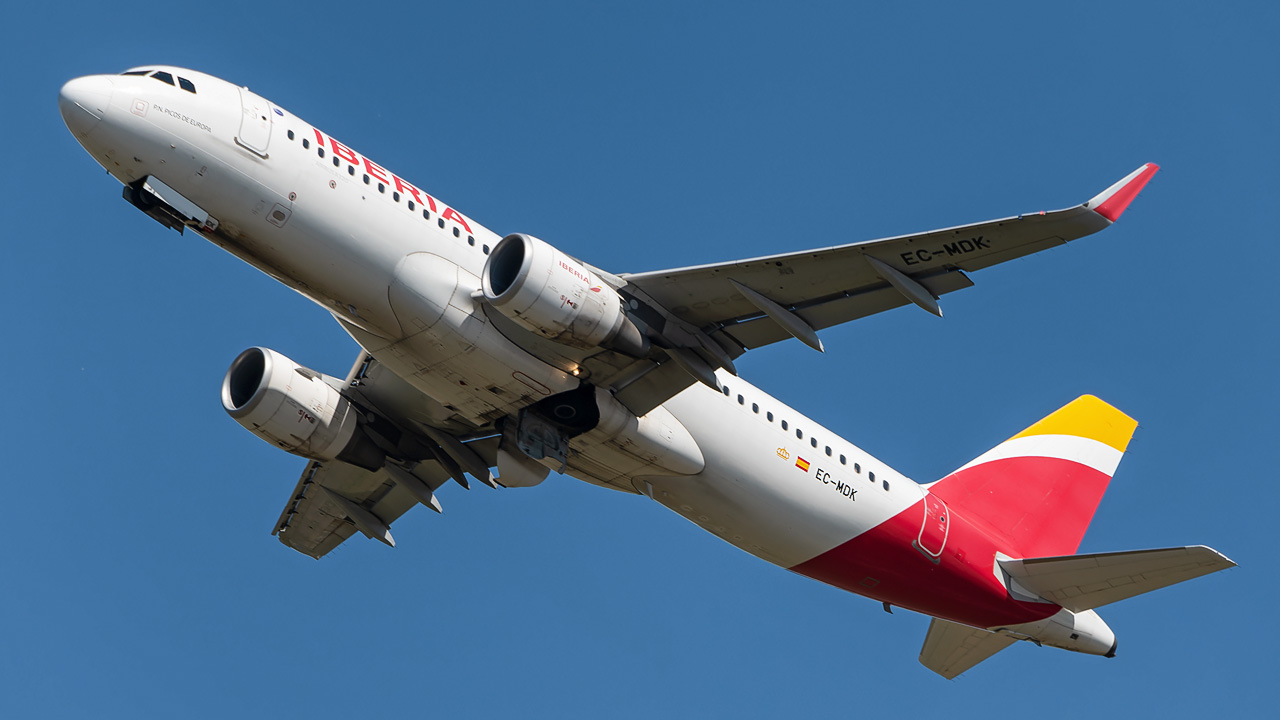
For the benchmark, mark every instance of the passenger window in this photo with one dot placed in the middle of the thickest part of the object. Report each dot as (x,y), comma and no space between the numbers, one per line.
(784,424)
(411,205)
(395,196)
(828,451)
(320,151)
(337,161)
(799,434)
(725,390)
(290,134)
(769,415)
(163,76)
(857,468)
(871,476)
(456,233)
(382,188)
(426,214)
(741,400)
(305,143)
(366,177)
(486,249)
(755,408)
(440,222)
(886,484)
(842,462)
(351,170)
(471,241)
(186,84)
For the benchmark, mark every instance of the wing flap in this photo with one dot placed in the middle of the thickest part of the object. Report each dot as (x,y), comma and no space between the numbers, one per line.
(950,648)
(310,522)
(314,523)
(1084,582)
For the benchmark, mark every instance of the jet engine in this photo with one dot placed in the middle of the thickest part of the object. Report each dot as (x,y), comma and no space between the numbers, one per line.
(549,293)
(295,409)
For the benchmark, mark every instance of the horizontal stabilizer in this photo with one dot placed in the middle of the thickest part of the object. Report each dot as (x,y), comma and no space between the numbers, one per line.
(950,648)
(1084,582)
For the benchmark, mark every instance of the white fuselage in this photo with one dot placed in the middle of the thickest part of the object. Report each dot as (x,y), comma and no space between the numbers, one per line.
(354,237)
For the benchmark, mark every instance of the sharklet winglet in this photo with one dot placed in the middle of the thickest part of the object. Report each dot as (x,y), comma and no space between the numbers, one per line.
(1112,202)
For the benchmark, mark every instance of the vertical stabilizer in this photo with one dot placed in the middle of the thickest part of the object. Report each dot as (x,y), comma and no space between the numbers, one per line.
(1037,491)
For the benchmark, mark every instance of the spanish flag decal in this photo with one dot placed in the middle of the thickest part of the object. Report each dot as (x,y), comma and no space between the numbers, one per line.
(802,464)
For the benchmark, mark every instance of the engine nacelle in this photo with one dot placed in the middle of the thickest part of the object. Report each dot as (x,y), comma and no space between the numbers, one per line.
(294,409)
(555,296)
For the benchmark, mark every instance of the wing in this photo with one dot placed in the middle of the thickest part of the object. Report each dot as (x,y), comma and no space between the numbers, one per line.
(710,314)
(829,286)
(334,500)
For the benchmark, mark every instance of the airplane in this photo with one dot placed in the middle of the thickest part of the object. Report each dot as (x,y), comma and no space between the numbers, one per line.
(481,351)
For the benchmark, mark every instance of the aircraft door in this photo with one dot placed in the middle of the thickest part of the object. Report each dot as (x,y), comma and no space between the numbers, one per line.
(934,529)
(255,123)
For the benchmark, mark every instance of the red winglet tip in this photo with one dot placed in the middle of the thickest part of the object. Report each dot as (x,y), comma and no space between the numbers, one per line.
(1113,201)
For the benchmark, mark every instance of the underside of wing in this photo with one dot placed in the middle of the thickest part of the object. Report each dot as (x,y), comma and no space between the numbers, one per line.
(828,286)
(334,500)
(707,315)
(325,507)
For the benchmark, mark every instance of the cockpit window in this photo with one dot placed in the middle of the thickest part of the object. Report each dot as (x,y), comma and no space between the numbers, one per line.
(163,76)
(187,85)
(135,72)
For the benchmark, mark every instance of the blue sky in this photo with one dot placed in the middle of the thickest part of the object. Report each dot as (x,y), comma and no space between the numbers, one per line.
(141,575)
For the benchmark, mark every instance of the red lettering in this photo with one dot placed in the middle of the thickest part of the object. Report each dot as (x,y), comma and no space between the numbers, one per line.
(375,170)
(344,152)
(381,174)
(403,186)
(451,214)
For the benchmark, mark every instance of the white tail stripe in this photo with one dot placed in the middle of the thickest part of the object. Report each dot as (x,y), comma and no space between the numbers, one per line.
(1086,451)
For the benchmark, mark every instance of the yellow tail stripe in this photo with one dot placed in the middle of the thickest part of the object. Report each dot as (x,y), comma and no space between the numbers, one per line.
(1087,417)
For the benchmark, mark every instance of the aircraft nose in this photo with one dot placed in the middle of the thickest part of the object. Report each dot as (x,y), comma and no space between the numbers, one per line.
(83,101)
